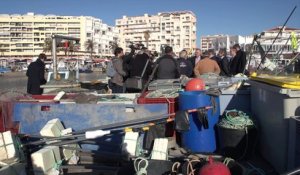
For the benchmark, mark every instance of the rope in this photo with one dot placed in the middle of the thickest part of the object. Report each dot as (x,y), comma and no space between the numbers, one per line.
(175,167)
(190,169)
(227,160)
(235,120)
(137,166)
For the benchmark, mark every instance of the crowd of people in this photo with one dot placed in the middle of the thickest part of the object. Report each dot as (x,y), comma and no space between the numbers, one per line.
(142,64)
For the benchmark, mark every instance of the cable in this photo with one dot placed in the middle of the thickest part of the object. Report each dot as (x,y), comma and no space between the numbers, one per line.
(175,167)
(140,170)
(190,169)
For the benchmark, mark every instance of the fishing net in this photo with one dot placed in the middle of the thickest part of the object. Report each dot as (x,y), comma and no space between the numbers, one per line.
(234,119)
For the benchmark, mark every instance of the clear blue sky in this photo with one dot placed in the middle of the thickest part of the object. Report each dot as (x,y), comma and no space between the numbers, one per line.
(241,17)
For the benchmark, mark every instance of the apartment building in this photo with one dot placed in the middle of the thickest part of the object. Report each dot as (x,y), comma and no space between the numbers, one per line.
(24,35)
(283,42)
(217,42)
(176,29)
(266,38)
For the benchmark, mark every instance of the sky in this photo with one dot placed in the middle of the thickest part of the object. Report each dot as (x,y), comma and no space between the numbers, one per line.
(233,17)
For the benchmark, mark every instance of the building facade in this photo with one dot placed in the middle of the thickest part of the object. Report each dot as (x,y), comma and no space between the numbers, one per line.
(25,35)
(176,29)
(217,42)
(283,43)
(266,38)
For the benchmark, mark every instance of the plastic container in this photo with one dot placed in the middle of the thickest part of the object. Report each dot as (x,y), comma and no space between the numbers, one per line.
(172,102)
(198,139)
(236,143)
(172,107)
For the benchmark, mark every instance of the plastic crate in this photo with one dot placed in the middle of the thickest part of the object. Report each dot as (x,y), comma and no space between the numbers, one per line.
(172,108)
(172,102)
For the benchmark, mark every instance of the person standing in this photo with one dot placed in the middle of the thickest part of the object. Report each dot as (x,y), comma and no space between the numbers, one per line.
(137,65)
(167,66)
(206,65)
(239,61)
(195,59)
(36,75)
(185,66)
(224,63)
(117,81)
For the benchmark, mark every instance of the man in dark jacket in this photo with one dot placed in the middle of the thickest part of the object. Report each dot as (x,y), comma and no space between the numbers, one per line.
(167,66)
(195,59)
(239,61)
(36,76)
(224,63)
(137,66)
(185,66)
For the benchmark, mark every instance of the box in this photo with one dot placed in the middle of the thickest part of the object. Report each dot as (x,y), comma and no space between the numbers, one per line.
(45,159)
(7,146)
(172,102)
(52,128)
(68,153)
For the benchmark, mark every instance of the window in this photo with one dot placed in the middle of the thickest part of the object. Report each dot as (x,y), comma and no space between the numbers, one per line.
(88,34)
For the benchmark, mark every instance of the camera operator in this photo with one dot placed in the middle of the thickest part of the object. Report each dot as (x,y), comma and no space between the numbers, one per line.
(137,65)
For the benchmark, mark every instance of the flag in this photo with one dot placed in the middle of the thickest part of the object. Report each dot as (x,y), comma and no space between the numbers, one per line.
(294,41)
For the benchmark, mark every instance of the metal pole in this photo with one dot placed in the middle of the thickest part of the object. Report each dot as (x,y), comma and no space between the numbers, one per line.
(280,31)
(54,58)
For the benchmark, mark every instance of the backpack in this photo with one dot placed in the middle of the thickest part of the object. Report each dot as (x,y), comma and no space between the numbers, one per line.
(110,70)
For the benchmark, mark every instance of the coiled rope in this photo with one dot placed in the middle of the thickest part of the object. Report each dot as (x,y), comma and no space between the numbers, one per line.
(234,119)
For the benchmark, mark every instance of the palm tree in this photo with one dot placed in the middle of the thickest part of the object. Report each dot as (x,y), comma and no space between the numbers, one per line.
(90,46)
(147,36)
(47,45)
(71,48)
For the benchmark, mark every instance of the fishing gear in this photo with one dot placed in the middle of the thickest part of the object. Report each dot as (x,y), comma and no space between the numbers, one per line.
(280,31)
(292,61)
(110,129)
(255,40)
(149,80)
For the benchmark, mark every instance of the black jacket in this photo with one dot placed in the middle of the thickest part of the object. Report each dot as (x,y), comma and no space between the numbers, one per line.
(238,63)
(35,74)
(167,68)
(185,67)
(193,61)
(137,65)
(225,67)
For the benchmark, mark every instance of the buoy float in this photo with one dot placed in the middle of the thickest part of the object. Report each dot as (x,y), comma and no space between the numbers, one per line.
(195,84)
(214,168)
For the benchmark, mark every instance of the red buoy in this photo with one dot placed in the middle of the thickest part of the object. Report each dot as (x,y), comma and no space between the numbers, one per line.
(214,168)
(195,84)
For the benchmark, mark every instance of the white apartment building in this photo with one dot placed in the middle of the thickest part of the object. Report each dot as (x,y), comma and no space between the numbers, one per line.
(24,35)
(176,29)
(283,43)
(266,39)
(217,42)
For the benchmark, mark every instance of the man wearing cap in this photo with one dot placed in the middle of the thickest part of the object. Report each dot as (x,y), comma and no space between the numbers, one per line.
(36,75)
(167,66)
(206,65)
